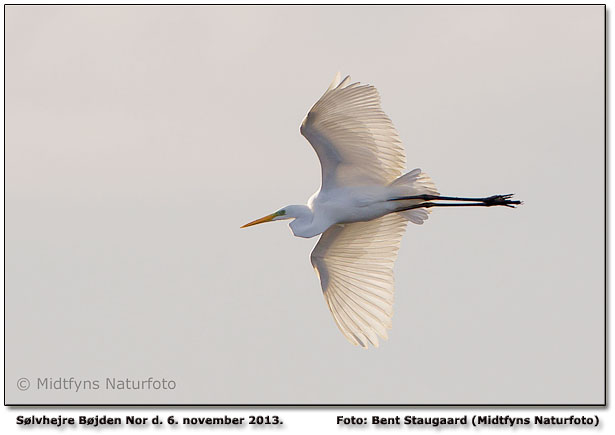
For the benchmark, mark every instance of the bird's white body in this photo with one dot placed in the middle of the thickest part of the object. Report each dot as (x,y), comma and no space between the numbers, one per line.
(343,205)
(360,210)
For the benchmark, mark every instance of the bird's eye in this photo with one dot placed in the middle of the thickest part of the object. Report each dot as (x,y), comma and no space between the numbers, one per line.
(281,213)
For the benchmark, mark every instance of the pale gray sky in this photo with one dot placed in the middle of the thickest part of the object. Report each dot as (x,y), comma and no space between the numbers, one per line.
(139,139)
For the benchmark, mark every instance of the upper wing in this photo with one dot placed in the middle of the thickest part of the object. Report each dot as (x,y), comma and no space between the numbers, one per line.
(355,265)
(355,140)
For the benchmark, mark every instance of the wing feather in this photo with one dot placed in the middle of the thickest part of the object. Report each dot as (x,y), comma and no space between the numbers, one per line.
(355,265)
(354,139)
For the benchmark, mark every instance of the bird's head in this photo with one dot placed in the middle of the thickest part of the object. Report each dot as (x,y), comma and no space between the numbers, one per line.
(301,214)
(276,216)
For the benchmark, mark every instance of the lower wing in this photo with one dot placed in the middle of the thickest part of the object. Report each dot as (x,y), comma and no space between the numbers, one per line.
(355,265)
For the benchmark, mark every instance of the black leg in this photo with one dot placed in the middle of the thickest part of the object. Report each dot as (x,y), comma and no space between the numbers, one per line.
(488,201)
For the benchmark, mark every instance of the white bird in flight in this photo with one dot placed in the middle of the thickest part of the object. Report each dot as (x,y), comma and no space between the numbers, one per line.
(362,207)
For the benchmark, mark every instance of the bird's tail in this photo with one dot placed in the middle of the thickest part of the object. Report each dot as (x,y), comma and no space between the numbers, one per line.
(413,183)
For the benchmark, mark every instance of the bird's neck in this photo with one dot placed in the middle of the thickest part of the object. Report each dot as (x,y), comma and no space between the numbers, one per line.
(303,220)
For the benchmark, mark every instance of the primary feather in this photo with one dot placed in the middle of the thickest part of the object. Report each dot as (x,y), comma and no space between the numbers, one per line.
(354,139)
(355,265)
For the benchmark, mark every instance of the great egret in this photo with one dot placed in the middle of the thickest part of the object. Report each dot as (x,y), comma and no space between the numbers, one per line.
(362,207)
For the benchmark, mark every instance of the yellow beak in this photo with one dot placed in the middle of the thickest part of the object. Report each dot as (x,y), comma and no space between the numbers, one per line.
(267,218)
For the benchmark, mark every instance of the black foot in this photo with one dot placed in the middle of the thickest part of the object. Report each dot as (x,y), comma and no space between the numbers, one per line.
(501,200)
